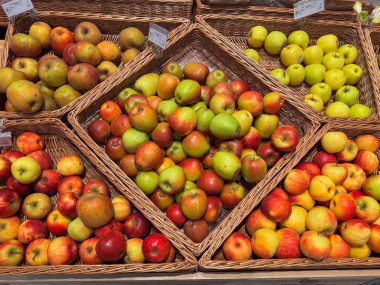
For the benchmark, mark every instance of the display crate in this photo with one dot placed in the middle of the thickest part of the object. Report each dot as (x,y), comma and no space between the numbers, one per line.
(60,141)
(213,259)
(235,28)
(195,44)
(110,26)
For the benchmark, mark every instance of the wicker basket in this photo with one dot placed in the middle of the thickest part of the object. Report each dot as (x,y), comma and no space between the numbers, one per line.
(110,26)
(236,28)
(85,6)
(195,44)
(149,8)
(60,141)
(213,258)
(202,9)
(373,41)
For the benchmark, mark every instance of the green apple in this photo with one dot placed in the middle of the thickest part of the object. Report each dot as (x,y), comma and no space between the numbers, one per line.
(199,105)
(78,231)
(296,73)
(215,77)
(315,101)
(338,110)
(26,170)
(353,73)
(274,42)
(300,38)
(312,55)
(133,138)
(226,165)
(257,36)
(172,180)
(349,52)
(204,118)
(147,181)
(333,60)
(187,92)
(360,111)
(314,73)
(328,43)
(252,54)
(147,84)
(245,120)
(335,78)
(281,75)
(322,89)
(266,125)
(347,94)
(225,126)
(165,109)
(291,54)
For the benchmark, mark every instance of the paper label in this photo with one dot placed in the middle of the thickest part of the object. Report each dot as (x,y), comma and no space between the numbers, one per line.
(6,139)
(16,7)
(158,35)
(308,7)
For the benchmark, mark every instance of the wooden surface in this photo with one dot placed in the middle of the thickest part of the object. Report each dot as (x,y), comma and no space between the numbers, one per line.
(290,277)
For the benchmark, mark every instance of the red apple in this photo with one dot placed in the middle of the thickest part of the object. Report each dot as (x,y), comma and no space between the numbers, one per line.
(156,248)
(323,157)
(111,247)
(59,38)
(70,184)
(252,139)
(296,181)
(232,194)
(12,155)
(106,229)
(252,102)
(276,208)
(114,148)
(267,152)
(9,202)
(210,182)
(57,223)
(273,102)
(47,183)
(214,208)
(207,158)
(5,168)
(136,226)
(310,168)
(148,156)
(343,206)
(96,185)
(128,166)
(289,244)
(31,230)
(238,88)
(192,167)
(174,213)
(253,168)
(99,130)
(68,54)
(109,111)
(257,220)
(42,157)
(222,88)
(197,71)
(87,252)
(197,230)
(120,124)
(21,189)
(28,142)
(367,160)
(237,247)
(235,146)
(183,120)
(143,117)
(67,203)
(162,134)
(62,251)
(161,199)
(285,138)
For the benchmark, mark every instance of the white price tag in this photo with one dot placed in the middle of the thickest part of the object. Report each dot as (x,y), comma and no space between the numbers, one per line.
(5,139)
(308,7)
(158,35)
(16,7)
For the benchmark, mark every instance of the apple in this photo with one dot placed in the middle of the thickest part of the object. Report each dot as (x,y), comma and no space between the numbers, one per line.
(347,94)
(214,208)
(174,213)
(343,206)
(187,92)
(196,144)
(328,43)
(26,65)
(334,141)
(266,125)
(166,85)
(360,111)
(315,101)
(257,36)
(257,220)
(197,71)
(143,117)
(291,54)
(304,200)
(210,182)
(42,157)
(9,228)
(285,138)
(367,209)
(207,158)
(222,103)
(36,252)
(265,243)
(231,195)
(122,207)
(87,252)
(70,165)
(41,31)
(62,251)
(273,102)
(147,84)
(338,110)
(197,230)
(25,45)
(11,253)
(127,165)
(333,60)
(314,73)
(311,168)
(322,220)
(136,226)
(296,220)
(12,155)
(9,202)
(78,231)
(315,245)
(335,78)
(336,172)
(253,54)
(83,76)
(312,55)
(206,94)
(322,188)
(323,157)
(147,181)
(99,130)
(183,120)
(172,180)
(367,160)
(296,73)
(70,184)
(274,42)
(281,75)
(370,187)
(339,248)
(355,232)
(57,223)
(36,206)
(133,251)
(94,209)
(215,77)
(66,204)
(155,248)
(225,126)
(165,109)
(373,241)
(87,31)
(296,182)
(59,38)
(148,156)
(69,56)
(363,251)
(96,185)
(228,166)
(323,90)
(349,52)
(30,230)
(353,73)
(133,138)
(5,168)
(193,203)
(253,168)
(161,199)
(267,152)
(175,152)
(237,247)
(355,178)
(289,246)
(53,72)
(9,75)
(276,208)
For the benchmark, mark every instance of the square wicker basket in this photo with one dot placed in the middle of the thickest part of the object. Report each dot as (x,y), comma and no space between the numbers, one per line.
(213,259)
(60,141)
(195,44)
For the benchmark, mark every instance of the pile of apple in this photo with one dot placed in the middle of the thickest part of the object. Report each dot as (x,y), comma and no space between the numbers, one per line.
(327,208)
(84,214)
(50,82)
(325,67)
(187,141)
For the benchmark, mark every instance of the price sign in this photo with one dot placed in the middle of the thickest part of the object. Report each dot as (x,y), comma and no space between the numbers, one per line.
(16,7)
(308,7)
(158,35)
